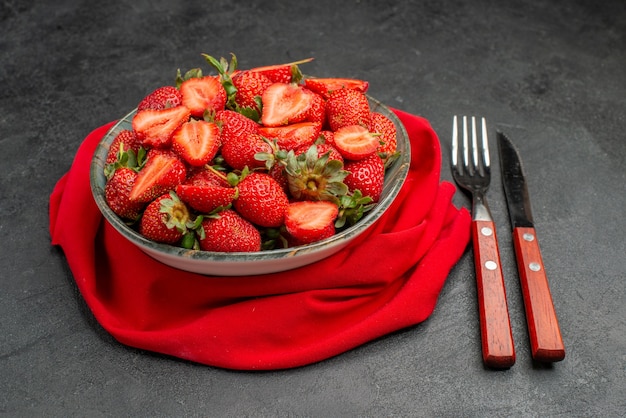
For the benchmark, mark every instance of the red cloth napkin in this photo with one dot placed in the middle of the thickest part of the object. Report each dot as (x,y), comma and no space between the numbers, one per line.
(389,279)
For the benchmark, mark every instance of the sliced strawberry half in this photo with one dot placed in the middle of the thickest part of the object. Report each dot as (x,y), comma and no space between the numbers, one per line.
(283,73)
(207,197)
(163,172)
(355,142)
(293,136)
(325,86)
(310,221)
(284,104)
(196,141)
(202,94)
(154,128)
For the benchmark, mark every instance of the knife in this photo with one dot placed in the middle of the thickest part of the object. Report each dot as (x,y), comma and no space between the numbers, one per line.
(543,327)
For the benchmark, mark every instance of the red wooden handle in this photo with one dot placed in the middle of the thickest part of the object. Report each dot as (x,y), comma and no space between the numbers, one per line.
(495,325)
(543,328)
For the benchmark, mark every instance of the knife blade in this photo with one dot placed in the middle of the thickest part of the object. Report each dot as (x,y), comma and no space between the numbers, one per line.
(543,326)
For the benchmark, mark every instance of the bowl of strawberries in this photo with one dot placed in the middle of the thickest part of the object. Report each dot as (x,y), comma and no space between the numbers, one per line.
(247,172)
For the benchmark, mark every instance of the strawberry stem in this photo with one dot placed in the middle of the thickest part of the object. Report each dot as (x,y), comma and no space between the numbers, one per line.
(225,71)
(216,172)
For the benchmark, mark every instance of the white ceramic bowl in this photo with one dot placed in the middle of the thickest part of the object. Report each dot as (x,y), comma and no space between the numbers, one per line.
(247,263)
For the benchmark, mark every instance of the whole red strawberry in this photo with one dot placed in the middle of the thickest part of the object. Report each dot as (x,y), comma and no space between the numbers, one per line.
(250,87)
(385,127)
(347,107)
(161,98)
(240,152)
(229,232)
(117,194)
(317,109)
(127,140)
(366,175)
(234,125)
(207,197)
(165,219)
(261,200)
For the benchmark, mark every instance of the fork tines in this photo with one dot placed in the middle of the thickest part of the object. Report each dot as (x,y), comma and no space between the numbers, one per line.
(475,164)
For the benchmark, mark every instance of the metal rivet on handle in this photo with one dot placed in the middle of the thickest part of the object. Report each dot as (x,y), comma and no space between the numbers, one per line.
(534,266)
(491,265)
(528,237)
(486,231)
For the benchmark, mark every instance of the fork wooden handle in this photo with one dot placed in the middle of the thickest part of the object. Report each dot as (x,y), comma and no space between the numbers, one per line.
(495,325)
(546,342)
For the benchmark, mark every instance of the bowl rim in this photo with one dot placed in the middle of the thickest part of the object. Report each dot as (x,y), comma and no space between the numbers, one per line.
(397,175)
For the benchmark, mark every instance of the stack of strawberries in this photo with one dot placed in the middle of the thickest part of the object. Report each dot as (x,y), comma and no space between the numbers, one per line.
(248,160)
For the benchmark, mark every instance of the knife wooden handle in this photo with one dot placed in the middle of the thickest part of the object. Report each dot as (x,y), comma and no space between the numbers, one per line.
(495,325)
(543,328)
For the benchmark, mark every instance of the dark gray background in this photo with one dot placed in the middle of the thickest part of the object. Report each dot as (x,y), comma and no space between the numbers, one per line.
(551,74)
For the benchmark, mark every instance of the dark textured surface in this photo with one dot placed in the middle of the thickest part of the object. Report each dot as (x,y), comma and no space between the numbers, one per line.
(550,74)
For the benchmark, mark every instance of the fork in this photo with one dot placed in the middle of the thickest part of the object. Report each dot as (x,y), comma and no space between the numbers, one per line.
(471,171)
